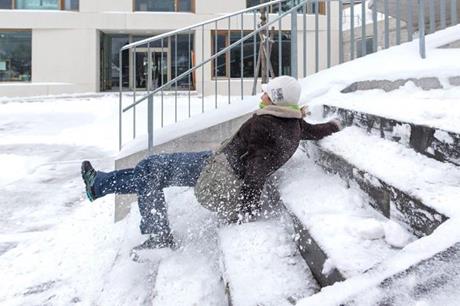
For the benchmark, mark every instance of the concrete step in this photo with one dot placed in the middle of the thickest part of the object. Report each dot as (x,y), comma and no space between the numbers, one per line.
(338,233)
(430,141)
(188,279)
(262,266)
(402,184)
(190,275)
(429,282)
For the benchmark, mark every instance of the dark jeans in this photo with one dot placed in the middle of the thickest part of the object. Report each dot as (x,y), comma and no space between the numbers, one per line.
(148,179)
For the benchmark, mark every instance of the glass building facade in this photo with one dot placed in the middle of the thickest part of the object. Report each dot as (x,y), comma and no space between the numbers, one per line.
(230,63)
(68,5)
(165,5)
(169,59)
(15,56)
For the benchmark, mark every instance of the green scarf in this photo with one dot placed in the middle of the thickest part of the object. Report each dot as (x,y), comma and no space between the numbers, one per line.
(292,106)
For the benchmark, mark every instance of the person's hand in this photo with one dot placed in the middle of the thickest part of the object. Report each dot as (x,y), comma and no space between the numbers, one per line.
(338,123)
(305,111)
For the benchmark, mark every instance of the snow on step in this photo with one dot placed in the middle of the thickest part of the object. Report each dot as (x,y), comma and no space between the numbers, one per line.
(192,274)
(262,265)
(435,183)
(435,108)
(188,280)
(353,236)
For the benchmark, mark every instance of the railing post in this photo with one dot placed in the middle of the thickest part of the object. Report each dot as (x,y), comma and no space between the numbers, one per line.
(421,27)
(120,103)
(341,55)
(150,100)
(294,53)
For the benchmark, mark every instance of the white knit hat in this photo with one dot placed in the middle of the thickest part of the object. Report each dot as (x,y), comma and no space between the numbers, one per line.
(283,90)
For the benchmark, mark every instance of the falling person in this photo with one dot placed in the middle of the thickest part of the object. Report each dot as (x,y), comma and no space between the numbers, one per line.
(228,181)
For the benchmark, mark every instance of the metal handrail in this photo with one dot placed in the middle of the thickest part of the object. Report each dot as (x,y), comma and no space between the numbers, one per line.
(216,55)
(408,18)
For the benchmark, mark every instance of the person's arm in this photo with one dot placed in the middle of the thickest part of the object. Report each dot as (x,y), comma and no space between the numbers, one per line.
(259,154)
(318,131)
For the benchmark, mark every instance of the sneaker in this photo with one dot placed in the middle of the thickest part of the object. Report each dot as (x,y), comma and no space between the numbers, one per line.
(156,242)
(89,175)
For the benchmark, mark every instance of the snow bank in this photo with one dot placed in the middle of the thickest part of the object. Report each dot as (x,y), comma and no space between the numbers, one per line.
(394,63)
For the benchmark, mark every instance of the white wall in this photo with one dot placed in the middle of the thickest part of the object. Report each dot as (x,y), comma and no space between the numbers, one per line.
(106,5)
(219,6)
(67,56)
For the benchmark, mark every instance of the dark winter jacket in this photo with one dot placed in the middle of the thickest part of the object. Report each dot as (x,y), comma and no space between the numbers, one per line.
(263,144)
(233,179)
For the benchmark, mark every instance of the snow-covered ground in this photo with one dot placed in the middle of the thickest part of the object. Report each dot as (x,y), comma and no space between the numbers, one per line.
(56,248)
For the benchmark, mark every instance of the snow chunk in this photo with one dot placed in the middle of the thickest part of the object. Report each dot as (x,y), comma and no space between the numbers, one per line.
(328,267)
(396,235)
(369,229)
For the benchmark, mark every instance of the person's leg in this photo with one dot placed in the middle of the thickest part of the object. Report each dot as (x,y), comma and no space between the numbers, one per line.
(118,181)
(157,172)
(99,184)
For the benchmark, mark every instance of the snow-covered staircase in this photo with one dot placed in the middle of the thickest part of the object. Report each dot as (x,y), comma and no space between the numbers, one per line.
(384,183)
(352,203)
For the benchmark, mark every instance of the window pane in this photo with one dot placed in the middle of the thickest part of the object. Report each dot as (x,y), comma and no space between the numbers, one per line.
(285,56)
(221,60)
(248,56)
(235,56)
(184,55)
(248,53)
(15,56)
(184,5)
(117,42)
(37,4)
(155,5)
(71,5)
(5,4)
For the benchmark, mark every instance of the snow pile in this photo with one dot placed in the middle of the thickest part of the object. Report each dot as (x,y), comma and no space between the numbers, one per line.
(433,182)
(398,62)
(263,266)
(340,219)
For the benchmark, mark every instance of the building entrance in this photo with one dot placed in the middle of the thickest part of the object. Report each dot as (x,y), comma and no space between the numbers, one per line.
(168,59)
(161,71)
